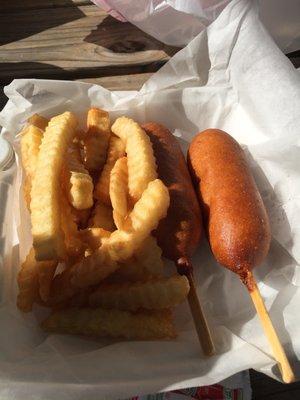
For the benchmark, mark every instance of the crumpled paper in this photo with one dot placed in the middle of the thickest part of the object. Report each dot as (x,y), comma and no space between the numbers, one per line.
(233,77)
(174,22)
(177,22)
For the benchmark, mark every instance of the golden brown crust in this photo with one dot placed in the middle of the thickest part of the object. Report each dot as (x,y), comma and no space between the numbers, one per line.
(179,233)
(236,219)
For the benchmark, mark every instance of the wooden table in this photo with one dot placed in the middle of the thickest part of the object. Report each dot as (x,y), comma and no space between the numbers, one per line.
(75,40)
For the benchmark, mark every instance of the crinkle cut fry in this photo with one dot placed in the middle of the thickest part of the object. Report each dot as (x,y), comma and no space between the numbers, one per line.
(145,264)
(61,289)
(141,161)
(73,240)
(116,150)
(28,283)
(102,217)
(121,245)
(143,219)
(129,271)
(155,201)
(34,280)
(148,255)
(93,237)
(157,293)
(118,190)
(96,140)
(26,191)
(81,217)
(93,269)
(46,272)
(111,323)
(38,121)
(87,272)
(31,139)
(79,183)
(45,203)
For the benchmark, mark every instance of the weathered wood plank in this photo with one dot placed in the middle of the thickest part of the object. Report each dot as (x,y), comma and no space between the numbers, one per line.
(9,71)
(83,39)
(16,25)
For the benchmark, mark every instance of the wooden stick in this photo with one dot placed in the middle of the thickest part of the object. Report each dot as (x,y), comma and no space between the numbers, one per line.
(184,267)
(278,351)
(200,322)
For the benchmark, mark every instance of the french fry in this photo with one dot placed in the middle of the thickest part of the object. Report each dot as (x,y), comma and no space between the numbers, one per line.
(78,182)
(112,263)
(143,219)
(111,323)
(93,237)
(96,140)
(145,264)
(81,298)
(122,244)
(34,281)
(116,150)
(118,190)
(38,121)
(102,217)
(30,144)
(61,288)
(158,293)
(27,190)
(45,203)
(72,238)
(79,136)
(46,271)
(141,162)
(98,121)
(150,209)
(92,269)
(130,271)
(81,217)
(64,294)
(148,256)
(28,283)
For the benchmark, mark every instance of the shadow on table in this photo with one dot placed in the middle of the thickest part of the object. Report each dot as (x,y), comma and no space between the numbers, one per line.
(263,387)
(123,37)
(29,70)
(19,23)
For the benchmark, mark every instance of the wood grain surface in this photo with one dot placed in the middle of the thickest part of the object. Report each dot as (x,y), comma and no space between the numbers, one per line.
(73,42)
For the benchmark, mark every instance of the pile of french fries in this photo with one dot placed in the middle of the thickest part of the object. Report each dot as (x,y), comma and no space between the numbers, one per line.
(95,200)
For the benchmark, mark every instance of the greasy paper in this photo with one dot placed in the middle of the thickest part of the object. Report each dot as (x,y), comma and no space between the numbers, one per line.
(233,77)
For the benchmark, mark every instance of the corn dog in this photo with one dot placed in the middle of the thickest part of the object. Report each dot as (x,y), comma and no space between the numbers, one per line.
(236,219)
(179,233)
